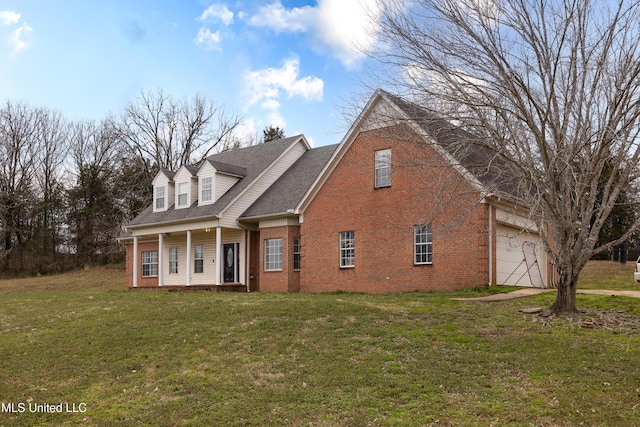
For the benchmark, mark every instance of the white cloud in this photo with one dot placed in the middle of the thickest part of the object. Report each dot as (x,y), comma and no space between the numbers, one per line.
(343,27)
(217,12)
(267,86)
(270,83)
(17,38)
(207,39)
(8,17)
(279,19)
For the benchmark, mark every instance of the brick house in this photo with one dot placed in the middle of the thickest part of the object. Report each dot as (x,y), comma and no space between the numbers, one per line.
(404,202)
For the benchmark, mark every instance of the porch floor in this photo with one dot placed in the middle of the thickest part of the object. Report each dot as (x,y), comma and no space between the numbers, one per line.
(223,287)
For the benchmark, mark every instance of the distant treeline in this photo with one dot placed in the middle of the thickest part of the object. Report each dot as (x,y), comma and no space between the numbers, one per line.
(68,187)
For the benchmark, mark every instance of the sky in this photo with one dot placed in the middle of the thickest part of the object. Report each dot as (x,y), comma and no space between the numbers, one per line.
(283,63)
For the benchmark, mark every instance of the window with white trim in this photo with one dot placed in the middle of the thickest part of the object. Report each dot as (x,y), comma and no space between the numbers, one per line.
(296,253)
(160,197)
(423,244)
(183,189)
(273,254)
(173,260)
(383,168)
(206,189)
(198,259)
(149,263)
(347,249)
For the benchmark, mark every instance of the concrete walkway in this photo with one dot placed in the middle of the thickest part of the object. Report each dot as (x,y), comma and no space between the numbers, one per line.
(525,292)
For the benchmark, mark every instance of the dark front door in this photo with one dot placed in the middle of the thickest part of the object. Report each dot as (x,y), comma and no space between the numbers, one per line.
(230,263)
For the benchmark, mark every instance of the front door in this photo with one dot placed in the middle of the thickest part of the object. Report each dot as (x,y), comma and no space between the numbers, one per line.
(231,264)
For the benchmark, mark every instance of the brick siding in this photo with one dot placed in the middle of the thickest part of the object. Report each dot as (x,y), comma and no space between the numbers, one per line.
(424,189)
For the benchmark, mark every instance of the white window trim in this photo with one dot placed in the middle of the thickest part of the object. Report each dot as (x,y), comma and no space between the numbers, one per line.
(173,262)
(185,193)
(347,245)
(197,258)
(382,164)
(160,197)
(271,263)
(428,244)
(208,189)
(150,263)
(296,254)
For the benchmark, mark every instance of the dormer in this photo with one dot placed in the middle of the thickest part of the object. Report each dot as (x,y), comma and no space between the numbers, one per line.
(214,179)
(186,186)
(163,190)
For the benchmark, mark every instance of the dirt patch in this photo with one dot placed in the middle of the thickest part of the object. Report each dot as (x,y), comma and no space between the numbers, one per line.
(610,320)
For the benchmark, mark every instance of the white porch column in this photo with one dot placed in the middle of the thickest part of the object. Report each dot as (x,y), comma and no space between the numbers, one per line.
(188,266)
(219,259)
(160,259)
(135,261)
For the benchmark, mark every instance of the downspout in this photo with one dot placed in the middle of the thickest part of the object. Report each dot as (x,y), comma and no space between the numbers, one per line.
(490,246)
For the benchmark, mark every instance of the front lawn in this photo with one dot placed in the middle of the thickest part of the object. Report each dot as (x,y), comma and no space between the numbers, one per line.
(415,359)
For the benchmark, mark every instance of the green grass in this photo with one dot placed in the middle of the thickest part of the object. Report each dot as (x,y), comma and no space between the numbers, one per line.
(608,275)
(415,359)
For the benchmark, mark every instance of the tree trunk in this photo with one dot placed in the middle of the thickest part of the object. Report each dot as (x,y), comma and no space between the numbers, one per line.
(566,295)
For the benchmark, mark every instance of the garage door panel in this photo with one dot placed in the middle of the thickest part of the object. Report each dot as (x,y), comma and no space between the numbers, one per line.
(518,258)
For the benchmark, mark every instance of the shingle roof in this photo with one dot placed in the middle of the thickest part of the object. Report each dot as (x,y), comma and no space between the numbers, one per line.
(288,190)
(253,160)
(469,150)
(227,168)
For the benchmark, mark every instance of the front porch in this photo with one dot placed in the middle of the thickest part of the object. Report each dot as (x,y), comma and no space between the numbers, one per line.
(214,259)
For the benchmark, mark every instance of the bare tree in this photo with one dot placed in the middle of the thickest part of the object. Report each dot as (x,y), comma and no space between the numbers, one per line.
(551,87)
(95,217)
(170,133)
(17,154)
(52,134)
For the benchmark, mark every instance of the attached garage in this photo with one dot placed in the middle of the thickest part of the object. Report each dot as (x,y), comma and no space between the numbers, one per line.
(520,258)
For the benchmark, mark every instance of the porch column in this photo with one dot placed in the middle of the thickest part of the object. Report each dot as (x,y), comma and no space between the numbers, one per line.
(188,266)
(219,259)
(135,261)
(160,259)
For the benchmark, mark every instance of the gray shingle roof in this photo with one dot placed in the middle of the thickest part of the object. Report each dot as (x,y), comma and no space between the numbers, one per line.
(253,160)
(288,190)
(469,150)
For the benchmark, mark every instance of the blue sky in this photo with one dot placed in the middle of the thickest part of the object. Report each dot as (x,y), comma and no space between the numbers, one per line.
(286,63)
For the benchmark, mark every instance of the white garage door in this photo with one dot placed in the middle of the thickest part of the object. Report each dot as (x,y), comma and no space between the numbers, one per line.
(519,258)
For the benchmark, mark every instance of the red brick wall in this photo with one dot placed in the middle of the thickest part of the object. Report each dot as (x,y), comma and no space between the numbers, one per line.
(424,189)
(285,280)
(142,281)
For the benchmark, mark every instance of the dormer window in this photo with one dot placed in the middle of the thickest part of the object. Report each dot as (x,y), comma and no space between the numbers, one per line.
(160,197)
(183,190)
(206,189)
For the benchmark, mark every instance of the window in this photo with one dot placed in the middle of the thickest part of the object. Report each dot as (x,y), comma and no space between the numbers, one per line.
(206,189)
(149,263)
(198,260)
(160,194)
(183,189)
(296,254)
(173,260)
(273,254)
(347,249)
(423,244)
(383,168)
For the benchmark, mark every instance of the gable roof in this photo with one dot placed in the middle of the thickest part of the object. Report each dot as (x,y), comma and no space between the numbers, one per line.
(254,160)
(463,150)
(286,193)
(472,153)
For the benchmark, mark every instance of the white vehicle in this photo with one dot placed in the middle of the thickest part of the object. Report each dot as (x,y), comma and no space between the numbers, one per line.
(636,274)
